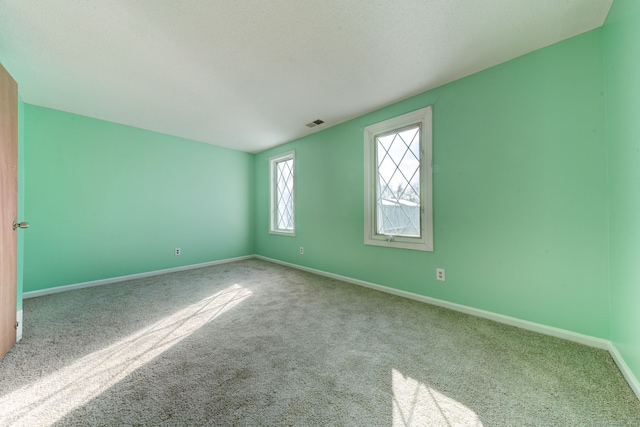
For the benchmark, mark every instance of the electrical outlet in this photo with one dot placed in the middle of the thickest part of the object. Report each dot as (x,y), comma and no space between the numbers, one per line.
(177,251)
(301,250)
(440,274)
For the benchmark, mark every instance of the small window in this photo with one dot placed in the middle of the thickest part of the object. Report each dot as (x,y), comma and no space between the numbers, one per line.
(398,183)
(283,193)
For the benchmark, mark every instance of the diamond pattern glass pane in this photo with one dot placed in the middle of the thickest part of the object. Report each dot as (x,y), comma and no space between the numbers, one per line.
(284,195)
(398,183)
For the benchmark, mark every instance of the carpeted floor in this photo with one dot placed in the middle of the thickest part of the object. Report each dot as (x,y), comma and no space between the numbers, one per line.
(252,343)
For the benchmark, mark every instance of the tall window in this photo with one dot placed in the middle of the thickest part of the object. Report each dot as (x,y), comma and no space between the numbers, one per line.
(282,193)
(398,183)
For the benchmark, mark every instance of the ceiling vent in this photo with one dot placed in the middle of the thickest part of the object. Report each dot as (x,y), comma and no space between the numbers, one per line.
(314,123)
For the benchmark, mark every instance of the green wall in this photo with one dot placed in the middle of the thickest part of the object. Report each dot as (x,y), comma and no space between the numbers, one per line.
(106,200)
(622,38)
(520,214)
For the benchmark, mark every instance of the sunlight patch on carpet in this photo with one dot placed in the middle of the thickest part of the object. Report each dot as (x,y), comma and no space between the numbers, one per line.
(415,404)
(51,398)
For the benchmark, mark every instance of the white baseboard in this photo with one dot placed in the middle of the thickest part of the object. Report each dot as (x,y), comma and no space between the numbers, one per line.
(19,325)
(524,324)
(33,294)
(624,368)
(513,321)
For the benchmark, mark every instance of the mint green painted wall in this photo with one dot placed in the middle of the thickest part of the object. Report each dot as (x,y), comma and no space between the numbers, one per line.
(21,217)
(622,38)
(520,213)
(106,200)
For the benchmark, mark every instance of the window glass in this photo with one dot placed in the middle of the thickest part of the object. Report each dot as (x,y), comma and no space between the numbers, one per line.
(398,182)
(283,193)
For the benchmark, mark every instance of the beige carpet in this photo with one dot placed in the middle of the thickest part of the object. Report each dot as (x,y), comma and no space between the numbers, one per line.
(253,343)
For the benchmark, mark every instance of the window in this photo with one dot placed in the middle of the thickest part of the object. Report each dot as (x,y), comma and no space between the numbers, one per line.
(398,183)
(282,194)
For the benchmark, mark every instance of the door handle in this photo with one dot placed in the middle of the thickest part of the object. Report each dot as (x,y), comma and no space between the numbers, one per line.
(22,224)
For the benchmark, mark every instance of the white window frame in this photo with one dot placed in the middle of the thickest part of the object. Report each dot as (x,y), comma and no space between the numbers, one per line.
(273,220)
(422,117)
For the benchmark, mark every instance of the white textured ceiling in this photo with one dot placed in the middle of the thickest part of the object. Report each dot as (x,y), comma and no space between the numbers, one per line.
(249,74)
